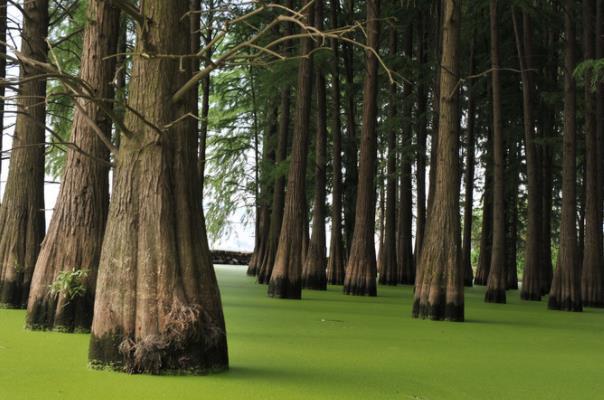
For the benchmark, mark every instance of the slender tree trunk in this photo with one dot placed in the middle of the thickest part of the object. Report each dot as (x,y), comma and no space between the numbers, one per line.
(496,283)
(439,285)
(531,280)
(381,188)
(511,215)
(486,233)
(336,261)
(75,235)
(22,224)
(285,279)
(361,269)
(469,182)
(406,264)
(157,307)
(592,279)
(422,101)
(313,271)
(565,293)
(389,272)
(600,109)
(350,143)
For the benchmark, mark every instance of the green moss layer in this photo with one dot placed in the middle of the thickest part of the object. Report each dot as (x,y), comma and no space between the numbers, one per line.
(331,346)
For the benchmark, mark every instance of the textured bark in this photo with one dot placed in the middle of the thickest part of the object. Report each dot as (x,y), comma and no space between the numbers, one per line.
(439,285)
(496,283)
(406,264)
(565,293)
(511,214)
(421,121)
(381,187)
(75,234)
(486,233)
(315,265)
(157,306)
(389,271)
(336,260)
(206,85)
(22,224)
(265,266)
(361,271)
(350,158)
(531,280)
(592,279)
(466,257)
(285,279)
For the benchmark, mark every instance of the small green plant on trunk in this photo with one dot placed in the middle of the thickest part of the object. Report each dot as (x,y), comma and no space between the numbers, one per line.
(70,284)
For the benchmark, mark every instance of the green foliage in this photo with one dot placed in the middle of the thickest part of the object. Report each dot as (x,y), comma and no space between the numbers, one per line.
(69,284)
(596,67)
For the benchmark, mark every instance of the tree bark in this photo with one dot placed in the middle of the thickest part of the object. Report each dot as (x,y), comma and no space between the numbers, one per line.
(439,285)
(350,158)
(22,224)
(75,234)
(406,264)
(336,260)
(486,233)
(206,88)
(3,23)
(361,270)
(592,278)
(157,306)
(421,121)
(511,214)
(389,271)
(565,293)
(496,283)
(531,280)
(313,271)
(469,182)
(285,279)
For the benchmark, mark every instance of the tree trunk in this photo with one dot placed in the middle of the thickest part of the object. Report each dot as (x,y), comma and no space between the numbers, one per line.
(75,234)
(496,283)
(3,23)
(511,215)
(469,182)
(350,143)
(565,293)
(422,101)
(313,271)
(336,261)
(486,233)
(157,307)
(439,285)
(285,279)
(22,224)
(592,279)
(361,268)
(389,272)
(531,280)
(206,87)
(406,265)
(265,267)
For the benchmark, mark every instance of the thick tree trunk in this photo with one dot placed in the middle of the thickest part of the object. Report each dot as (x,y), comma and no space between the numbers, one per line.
(22,224)
(75,235)
(389,271)
(592,279)
(285,279)
(313,271)
(406,264)
(496,283)
(565,293)
(361,268)
(531,280)
(439,285)
(336,261)
(466,257)
(157,307)
(350,158)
